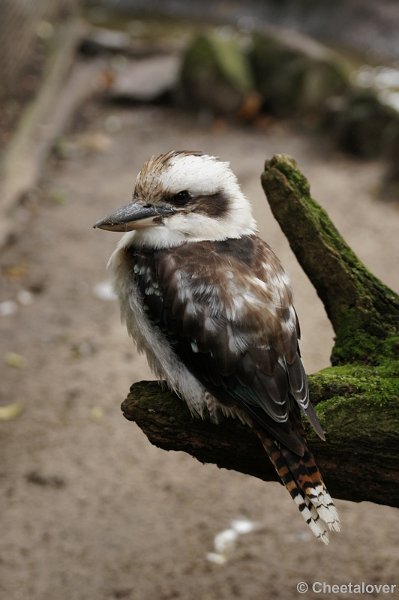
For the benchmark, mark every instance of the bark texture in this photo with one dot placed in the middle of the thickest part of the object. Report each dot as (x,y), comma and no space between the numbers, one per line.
(357,398)
(363,311)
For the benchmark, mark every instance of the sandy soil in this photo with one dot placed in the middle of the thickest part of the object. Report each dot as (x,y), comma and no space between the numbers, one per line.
(89,509)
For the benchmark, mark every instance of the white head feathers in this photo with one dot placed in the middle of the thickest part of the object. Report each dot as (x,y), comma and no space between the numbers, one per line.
(208,181)
(199,174)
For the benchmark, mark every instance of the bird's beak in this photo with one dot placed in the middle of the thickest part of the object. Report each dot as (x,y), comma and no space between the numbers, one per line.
(135,215)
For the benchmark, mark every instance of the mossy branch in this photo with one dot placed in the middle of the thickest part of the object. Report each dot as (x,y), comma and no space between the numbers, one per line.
(359,461)
(357,401)
(363,311)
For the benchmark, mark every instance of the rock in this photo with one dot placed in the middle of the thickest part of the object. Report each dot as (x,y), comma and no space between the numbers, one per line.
(99,40)
(146,80)
(390,184)
(216,75)
(294,74)
(361,123)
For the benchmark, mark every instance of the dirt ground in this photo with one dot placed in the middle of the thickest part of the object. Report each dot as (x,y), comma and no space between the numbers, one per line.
(89,509)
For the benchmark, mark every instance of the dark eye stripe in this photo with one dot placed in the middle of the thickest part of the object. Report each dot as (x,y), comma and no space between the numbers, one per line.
(213,205)
(181,198)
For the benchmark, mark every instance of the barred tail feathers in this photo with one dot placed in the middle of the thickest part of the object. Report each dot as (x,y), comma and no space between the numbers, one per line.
(303,480)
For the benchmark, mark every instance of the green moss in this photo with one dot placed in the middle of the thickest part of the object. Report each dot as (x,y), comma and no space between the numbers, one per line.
(361,419)
(354,344)
(232,62)
(289,168)
(358,401)
(295,77)
(364,336)
(363,311)
(211,56)
(356,378)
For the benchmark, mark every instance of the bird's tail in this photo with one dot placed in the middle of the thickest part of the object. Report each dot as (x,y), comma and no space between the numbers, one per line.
(303,480)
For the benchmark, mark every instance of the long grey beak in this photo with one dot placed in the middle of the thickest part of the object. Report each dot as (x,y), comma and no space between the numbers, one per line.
(135,215)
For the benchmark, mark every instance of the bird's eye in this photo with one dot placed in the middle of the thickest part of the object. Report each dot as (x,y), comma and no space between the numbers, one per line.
(181,198)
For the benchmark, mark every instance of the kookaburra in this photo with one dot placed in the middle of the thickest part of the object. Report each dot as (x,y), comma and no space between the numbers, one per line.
(211,306)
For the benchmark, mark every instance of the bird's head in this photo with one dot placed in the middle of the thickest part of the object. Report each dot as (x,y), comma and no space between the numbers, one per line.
(183,196)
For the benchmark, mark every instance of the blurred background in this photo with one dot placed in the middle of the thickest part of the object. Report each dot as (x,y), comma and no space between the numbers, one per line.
(88,91)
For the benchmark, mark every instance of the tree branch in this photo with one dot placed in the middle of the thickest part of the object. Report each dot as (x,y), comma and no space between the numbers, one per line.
(362,310)
(359,461)
(357,400)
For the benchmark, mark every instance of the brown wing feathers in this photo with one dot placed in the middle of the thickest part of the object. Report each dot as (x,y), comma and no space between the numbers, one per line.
(226,309)
(227,312)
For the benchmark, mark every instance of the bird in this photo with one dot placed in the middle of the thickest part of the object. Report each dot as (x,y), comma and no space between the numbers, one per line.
(209,303)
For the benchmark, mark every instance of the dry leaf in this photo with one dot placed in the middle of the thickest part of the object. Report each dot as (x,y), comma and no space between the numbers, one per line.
(11,411)
(12,359)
